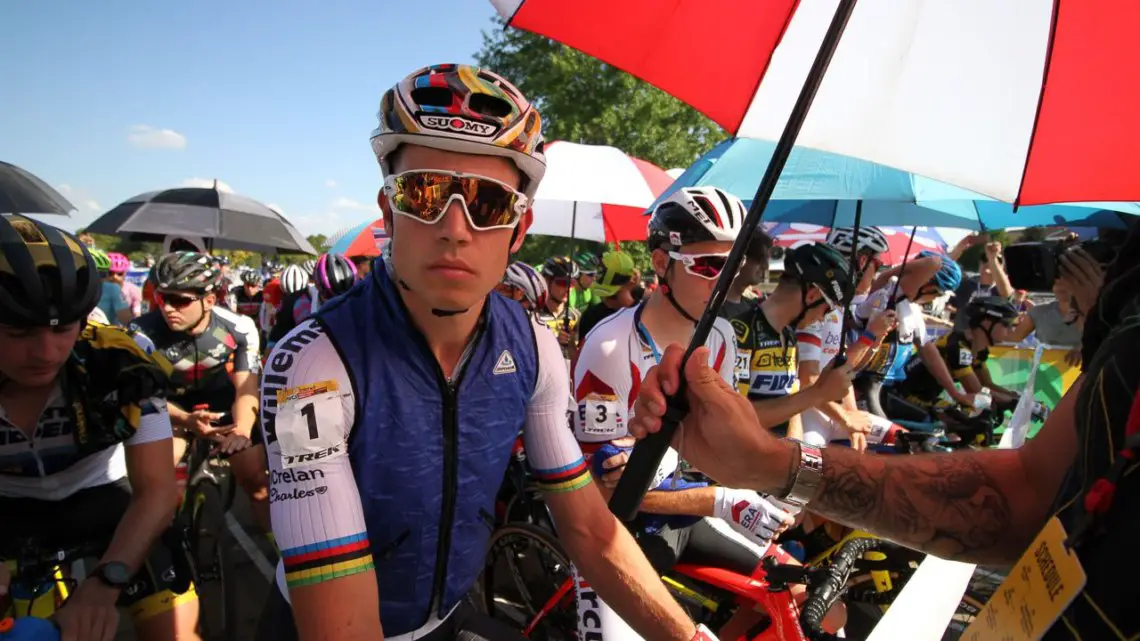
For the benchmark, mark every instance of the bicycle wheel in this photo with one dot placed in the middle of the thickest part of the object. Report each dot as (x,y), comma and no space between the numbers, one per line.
(525,567)
(216,618)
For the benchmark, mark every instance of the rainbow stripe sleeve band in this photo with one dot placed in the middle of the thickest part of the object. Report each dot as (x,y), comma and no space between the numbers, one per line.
(327,560)
(564,479)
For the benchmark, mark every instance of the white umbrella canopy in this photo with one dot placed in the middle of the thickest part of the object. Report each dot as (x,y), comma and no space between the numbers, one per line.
(595,192)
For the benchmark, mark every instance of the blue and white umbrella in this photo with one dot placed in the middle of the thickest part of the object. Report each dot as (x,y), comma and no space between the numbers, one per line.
(825,189)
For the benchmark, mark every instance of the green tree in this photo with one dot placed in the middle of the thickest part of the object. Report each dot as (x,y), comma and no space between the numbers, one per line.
(1033,234)
(585,100)
(320,242)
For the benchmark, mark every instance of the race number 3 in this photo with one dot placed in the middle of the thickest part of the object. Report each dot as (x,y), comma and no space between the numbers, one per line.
(599,416)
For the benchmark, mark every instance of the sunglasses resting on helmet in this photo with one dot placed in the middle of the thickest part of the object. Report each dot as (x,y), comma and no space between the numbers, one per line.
(425,194)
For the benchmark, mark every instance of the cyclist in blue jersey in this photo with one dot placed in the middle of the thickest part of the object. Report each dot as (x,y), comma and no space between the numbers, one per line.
(390,415)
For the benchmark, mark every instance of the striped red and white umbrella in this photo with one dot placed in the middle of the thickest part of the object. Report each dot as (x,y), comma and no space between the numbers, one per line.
(595,192)
(788,235)
(1030,102)
(365,239)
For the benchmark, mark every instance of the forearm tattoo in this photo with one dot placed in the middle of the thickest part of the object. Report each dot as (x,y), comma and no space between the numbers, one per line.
(943,504)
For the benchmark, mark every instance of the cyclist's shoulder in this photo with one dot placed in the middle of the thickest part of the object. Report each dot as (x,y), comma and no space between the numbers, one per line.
(232,322)
(722,330)
(305,355)
(152,324)
(100,336)
(611,331)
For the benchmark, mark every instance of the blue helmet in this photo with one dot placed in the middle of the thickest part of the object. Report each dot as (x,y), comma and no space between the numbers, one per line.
(949,275)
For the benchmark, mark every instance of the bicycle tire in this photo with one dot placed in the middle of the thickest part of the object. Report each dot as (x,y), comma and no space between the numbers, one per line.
(518,612)
(210,558)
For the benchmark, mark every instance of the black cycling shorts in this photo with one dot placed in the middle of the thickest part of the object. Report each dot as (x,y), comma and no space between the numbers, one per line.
(91,516)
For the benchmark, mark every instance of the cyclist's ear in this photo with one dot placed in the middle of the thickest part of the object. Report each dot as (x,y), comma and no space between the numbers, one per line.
(520,230)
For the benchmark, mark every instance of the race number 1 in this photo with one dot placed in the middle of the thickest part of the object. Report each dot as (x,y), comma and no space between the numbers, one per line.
(309,430)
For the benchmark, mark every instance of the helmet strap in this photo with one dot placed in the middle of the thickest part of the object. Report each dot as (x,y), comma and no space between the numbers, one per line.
(668,291)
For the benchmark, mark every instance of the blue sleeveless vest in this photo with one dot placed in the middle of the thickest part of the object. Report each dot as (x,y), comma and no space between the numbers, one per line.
(428,456)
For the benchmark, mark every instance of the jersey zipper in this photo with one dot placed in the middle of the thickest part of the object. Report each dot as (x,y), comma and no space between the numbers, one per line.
(450,485)
(450,390)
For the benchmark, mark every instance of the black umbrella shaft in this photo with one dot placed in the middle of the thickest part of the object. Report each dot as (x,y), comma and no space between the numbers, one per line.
(852,283)
(648,453)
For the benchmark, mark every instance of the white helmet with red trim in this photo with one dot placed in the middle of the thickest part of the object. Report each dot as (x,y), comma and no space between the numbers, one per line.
(693,215)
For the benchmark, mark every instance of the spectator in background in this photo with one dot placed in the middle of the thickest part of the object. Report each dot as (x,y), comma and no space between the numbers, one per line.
(111,300)
(612,287)
(991,281)
(741,296)
(1022,302)
(87,239)
(582,295)
(1061,321)
(649,283)
(120,265)
(363,266)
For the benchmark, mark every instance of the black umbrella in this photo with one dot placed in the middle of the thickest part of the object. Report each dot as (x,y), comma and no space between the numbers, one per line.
(227,220)
(22,192)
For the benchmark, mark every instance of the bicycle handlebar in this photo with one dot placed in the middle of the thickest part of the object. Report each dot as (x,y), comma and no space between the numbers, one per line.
(827,591)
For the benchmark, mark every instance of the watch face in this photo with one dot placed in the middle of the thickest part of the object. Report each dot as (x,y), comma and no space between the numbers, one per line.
(116,574)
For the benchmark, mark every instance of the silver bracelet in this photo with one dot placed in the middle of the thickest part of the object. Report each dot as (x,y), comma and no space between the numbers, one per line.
(808,477)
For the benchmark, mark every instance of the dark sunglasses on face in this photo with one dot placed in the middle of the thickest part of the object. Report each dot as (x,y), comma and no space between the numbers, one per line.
(176,301)
(424,195)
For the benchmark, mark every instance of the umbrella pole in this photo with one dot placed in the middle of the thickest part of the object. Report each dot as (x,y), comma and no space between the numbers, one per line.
(648,453)
(902,270)
(852,282)
(573,237)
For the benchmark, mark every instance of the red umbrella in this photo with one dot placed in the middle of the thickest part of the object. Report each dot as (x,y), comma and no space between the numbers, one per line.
(1030,102)
(788,235)
(595,192)
(365,239)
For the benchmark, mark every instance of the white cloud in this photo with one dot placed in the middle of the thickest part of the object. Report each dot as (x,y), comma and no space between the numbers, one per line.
(207,182)
(81,198)
(147,137)
(348,203)
(321,223)
(330,183)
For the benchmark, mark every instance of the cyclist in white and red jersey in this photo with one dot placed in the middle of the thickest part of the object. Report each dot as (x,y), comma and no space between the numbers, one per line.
(690,235)
(391,413)
(818,343)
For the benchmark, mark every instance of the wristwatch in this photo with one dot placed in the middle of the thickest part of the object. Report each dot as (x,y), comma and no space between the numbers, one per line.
(113,574)
(808,475)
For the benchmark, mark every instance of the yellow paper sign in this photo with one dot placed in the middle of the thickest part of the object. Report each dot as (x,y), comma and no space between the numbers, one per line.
(1043,583)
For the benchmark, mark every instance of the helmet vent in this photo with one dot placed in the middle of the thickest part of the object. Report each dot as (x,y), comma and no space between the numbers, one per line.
(432,96)
(489,105)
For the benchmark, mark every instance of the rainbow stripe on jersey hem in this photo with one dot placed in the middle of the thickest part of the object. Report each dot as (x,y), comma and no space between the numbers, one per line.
(327,560)
(564,479)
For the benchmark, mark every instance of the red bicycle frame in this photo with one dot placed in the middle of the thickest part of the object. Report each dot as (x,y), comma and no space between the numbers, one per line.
(779,605)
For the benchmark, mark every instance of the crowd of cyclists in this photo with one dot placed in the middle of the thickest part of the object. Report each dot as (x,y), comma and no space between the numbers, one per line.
(368,408)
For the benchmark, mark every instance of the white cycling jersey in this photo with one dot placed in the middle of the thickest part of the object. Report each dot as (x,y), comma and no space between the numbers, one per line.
(44,467)
(315,505)
(613,360)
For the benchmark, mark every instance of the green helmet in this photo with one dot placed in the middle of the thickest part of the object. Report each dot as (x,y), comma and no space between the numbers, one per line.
(587,263)
(102,260)
(616,272)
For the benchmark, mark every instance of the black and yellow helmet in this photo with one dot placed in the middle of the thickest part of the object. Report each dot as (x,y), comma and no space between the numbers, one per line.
(47,277)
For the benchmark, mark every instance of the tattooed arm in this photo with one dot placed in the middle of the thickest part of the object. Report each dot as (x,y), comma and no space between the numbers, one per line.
(977,506)
(980,506)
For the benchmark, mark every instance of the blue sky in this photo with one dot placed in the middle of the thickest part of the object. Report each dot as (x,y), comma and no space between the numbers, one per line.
(108,99)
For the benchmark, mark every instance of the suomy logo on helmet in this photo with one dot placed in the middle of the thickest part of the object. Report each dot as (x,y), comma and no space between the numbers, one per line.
(457,124)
